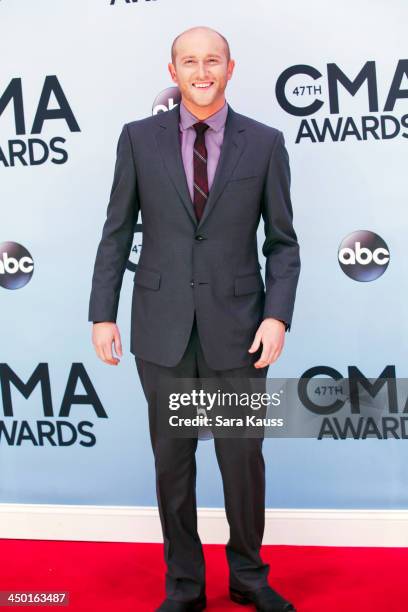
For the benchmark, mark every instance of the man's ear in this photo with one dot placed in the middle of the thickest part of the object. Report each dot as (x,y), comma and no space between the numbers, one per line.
(230,70)
(172,72)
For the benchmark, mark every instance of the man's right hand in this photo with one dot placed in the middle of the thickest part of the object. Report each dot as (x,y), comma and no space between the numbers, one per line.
(103,336)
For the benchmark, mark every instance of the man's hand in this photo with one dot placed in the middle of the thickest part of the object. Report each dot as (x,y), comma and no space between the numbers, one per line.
(271,333)
(103,335)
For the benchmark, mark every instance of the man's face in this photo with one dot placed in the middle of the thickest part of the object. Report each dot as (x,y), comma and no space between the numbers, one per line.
(201,69)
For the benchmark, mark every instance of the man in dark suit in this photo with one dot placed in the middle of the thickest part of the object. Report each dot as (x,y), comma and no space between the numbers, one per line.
(202,176)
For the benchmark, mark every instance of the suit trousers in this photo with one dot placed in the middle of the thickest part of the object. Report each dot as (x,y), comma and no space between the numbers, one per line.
(242,469)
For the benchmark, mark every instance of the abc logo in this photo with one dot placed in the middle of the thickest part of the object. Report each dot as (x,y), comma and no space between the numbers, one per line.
(166,100)
(16,265)
(363,256)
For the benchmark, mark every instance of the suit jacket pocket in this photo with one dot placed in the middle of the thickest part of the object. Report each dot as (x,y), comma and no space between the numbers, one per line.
(147,278)
(248,284)
(242,182)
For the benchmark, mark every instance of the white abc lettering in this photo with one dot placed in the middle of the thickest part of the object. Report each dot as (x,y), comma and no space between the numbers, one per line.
(159,108)
(363,255)
(347,256)
(26,264)
(162,107)
(12,266)
(381,256)
(172,104)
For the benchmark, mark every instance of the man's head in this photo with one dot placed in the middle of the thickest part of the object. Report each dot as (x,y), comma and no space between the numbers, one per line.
(201,66)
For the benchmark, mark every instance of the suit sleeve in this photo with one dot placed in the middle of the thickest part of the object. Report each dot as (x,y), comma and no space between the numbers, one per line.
(280,248)
(117,235)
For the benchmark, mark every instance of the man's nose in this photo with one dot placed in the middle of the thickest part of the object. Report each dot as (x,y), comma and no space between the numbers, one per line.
(202,71)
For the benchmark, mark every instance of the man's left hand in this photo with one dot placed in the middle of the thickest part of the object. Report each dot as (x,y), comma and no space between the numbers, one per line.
(271,333)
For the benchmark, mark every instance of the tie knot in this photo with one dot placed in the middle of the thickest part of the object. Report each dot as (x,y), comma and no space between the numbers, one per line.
(200,127)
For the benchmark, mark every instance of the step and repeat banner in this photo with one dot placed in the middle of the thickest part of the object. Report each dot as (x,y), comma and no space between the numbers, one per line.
(334,79)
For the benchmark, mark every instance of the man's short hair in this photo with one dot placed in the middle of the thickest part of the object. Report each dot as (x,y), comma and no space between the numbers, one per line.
(226,44)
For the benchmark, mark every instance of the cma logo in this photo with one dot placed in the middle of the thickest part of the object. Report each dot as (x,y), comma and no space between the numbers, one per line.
(166,100)
(16,265)
(53,427)
(34,151)
(336,76)
(299,91)
(374,408)
(363,256)
(355,379)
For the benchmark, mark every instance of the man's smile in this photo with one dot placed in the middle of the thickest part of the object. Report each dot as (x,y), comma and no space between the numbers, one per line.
(203,84)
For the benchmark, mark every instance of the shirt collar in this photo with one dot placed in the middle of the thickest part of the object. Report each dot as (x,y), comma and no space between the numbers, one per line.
(216,121)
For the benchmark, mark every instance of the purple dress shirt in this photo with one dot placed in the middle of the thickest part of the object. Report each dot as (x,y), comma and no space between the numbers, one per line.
(214,137)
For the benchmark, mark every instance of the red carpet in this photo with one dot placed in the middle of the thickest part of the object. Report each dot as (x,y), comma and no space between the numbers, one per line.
(130,577)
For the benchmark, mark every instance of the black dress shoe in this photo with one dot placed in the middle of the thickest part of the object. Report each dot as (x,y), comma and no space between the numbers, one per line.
(264,599)
(194,605)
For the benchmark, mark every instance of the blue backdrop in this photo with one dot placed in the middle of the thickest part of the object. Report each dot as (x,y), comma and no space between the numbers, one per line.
(335,81)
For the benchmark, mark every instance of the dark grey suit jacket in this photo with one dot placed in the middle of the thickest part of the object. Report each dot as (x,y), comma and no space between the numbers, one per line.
(211,267)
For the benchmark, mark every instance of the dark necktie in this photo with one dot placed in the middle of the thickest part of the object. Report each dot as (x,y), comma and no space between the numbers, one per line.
(200,169)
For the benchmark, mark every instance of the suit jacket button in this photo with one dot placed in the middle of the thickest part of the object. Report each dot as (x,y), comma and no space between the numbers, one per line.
(199,237)
(192,284)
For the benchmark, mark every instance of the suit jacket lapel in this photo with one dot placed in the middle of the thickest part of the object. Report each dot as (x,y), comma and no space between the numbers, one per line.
(231,150)
(168,139)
